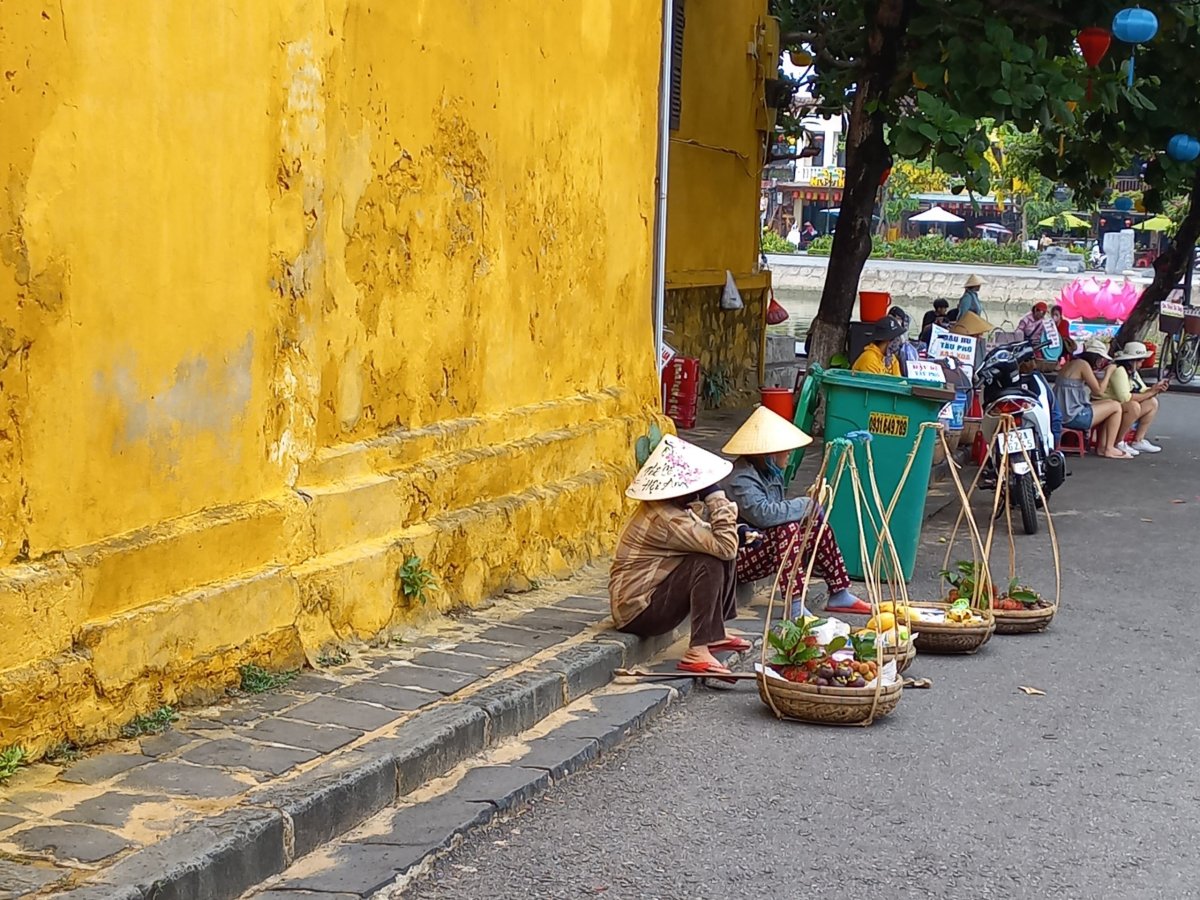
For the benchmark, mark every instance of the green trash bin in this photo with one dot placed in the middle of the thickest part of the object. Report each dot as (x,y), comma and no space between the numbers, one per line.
(892,411)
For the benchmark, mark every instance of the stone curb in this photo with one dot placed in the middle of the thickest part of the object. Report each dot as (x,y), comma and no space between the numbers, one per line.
(222,857)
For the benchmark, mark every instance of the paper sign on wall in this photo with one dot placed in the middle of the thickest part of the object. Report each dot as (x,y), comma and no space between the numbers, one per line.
(665,355)
(924,370)
(1171,309)
(944,345)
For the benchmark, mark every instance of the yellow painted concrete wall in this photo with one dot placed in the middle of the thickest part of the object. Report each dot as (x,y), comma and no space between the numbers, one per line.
(288,291)
(716,159)
(716,155)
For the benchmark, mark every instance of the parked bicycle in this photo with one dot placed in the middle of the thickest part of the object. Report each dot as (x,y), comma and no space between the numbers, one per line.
(1180,356)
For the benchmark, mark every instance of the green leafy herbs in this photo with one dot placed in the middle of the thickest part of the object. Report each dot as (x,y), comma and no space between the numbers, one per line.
(11,760)
(257,680)
(1022,594)
(864,646)
(794,643)
(646,443)
(151,723)
(417,583)
(964,577)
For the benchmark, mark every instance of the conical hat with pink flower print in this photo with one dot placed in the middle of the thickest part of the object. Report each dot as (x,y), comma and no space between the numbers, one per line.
(676,469)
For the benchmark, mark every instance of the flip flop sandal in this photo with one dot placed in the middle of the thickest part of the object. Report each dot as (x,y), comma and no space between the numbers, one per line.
(736,644)
(858,608)
(715,670)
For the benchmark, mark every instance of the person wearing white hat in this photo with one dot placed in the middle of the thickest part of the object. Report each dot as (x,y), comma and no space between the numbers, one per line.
(762,446)
(676,556)
(1139,403)
(1078,393)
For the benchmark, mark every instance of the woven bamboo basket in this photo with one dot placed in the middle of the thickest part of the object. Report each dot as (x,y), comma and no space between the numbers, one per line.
(828,705)
(933,637)
(1023,621)
(903,655)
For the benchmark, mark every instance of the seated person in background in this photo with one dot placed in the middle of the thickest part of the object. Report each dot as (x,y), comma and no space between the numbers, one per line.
(877,357)
(762,447)
(1139,403)
(935,316)
(901,347)
(1063,324)
(1030,371)
(1074,390)
(676,557)
(1032,325)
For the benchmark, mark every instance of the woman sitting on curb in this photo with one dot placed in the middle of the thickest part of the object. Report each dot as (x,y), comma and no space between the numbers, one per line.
(1074,389)
(762,446)
(676,556)
(1138,402)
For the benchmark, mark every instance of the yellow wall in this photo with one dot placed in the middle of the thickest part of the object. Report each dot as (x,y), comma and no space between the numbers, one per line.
(288,291)
(716,155)
(714,185)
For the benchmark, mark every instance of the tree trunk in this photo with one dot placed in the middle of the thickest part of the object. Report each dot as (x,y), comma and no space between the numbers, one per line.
(866,159)
(1169,268)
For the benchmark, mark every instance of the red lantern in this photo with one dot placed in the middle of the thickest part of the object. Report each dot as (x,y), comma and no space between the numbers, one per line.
(1094,44)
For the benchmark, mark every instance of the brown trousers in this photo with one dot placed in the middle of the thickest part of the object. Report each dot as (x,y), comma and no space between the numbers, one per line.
(701,586)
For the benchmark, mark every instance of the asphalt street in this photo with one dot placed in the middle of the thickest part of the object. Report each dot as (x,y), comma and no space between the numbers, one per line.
(972,789)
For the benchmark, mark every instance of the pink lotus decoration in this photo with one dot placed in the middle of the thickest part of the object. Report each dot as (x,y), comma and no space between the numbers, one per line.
(1087,298)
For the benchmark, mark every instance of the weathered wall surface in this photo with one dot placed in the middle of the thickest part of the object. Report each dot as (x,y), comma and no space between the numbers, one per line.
(716,158)
(289,291)
(728,343)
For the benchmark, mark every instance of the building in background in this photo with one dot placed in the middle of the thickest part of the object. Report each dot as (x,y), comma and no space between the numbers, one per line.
(717,150)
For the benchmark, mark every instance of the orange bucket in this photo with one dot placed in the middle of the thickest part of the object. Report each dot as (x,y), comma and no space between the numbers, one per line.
(873,305)
(780,401)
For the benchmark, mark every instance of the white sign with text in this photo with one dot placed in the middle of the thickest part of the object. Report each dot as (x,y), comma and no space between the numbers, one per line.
(924,370)
(944,345)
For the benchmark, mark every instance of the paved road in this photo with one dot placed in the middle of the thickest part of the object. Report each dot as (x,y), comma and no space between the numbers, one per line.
(971,790)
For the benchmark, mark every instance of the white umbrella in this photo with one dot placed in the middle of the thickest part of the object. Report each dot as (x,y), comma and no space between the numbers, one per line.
(992,226)
(935,215)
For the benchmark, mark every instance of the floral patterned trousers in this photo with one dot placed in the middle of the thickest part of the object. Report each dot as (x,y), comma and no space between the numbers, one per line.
(784,546)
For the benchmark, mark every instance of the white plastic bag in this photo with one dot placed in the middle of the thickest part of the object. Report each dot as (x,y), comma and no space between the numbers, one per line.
(730,297)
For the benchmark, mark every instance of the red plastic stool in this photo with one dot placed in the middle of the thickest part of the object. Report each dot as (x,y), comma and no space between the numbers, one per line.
(1073,441)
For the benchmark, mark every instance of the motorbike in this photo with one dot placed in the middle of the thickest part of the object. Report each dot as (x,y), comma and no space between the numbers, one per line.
(1025,398)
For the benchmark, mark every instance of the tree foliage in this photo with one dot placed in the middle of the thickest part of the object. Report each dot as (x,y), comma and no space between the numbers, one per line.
(938,80)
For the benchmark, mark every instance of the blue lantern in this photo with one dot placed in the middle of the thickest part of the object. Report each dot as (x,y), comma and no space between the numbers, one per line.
(1134,26)
(1183,148)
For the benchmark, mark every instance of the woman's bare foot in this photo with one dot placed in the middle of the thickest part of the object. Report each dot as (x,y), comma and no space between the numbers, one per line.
(1114,453)
(700,654)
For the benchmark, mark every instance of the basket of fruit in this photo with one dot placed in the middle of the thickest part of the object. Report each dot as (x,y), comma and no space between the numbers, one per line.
(809,680)
(1022,610)
(893,642)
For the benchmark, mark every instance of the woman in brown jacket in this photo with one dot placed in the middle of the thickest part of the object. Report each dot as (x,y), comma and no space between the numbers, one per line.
(676,557)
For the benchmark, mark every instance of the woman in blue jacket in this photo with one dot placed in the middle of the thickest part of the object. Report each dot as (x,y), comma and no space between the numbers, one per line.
(762,446)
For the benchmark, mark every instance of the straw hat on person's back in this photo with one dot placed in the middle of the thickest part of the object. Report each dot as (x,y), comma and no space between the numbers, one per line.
(971,324)
(765,432)
(676,469)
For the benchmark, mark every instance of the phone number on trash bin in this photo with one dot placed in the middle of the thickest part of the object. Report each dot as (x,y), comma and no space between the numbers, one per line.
(887,425)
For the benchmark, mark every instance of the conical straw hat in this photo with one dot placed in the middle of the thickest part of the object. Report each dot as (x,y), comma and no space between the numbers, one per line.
(970,324)
(765,432)
(676,469)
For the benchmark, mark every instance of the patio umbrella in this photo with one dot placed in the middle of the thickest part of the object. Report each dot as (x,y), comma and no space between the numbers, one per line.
(1069,219)
(992,226)
(935,215)
(1157,223)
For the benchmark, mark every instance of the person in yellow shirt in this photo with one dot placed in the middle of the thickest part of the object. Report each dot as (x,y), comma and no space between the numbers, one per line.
(875,358)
